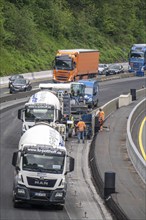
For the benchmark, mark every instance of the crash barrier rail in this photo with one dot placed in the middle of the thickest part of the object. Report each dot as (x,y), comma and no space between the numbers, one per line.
(109,108)
(138,161)
(31,76)
(48,74)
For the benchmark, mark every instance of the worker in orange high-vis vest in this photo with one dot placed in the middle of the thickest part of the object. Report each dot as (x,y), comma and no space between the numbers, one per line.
(101,118)
(81,126)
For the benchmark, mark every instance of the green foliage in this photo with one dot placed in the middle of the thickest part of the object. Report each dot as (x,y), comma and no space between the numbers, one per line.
(20,27)
(31,31)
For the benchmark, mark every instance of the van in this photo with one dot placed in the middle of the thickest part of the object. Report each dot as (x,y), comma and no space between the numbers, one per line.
(91,92)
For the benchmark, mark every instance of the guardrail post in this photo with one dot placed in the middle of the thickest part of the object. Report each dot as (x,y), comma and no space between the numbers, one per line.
(109,183)
(133,94)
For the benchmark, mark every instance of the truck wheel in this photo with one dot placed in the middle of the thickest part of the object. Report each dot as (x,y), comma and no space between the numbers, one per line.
(15,204)
(70,133)
(60,207)
(92,106)
(96,104)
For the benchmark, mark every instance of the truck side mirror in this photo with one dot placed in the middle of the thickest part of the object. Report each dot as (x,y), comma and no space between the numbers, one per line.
(14,159)
(53,64)
(59,116)
(72,164)
(20,113)
(74,64)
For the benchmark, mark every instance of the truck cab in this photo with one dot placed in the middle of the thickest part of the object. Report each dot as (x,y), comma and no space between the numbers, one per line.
(137,58)
(41,164)
(91,92)
(72,64)
(42,106)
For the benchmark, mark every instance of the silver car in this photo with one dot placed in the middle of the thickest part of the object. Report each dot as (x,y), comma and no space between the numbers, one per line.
(102,68)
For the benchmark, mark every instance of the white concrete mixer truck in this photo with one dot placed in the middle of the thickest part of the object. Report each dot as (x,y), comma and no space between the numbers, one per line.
(43,106)
(41,164)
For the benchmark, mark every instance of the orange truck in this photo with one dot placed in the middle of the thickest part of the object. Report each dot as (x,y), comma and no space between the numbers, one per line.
(74,64)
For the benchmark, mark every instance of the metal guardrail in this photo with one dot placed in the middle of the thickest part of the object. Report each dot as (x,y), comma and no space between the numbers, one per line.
(34,76)
(138,161)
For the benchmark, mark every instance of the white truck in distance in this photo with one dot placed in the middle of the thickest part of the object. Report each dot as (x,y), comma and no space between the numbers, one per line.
(43,106)
(41,164)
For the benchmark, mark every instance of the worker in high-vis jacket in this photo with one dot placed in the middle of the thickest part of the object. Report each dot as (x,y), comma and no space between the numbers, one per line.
(101,116)
(81,126)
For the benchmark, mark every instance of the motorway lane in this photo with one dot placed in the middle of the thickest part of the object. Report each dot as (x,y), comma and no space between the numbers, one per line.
(10,134)
(75,207)
(142,137)
(114,88)
(140,140)
(4,90)
(111,156)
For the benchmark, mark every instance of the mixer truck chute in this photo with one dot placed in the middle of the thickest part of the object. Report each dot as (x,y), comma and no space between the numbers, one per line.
(41,164)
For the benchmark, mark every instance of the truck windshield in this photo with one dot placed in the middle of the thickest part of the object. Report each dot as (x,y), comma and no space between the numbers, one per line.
(63,64)
(43,163)
(88,91)
(137,55)
(39,114)
(77,89)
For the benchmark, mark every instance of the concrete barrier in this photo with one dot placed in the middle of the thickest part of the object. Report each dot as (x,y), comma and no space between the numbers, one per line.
(124,100)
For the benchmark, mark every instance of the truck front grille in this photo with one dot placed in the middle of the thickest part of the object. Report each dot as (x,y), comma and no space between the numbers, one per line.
(41,182)
(62,76)
(137,66)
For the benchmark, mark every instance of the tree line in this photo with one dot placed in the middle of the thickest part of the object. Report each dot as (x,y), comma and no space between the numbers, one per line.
(32,30)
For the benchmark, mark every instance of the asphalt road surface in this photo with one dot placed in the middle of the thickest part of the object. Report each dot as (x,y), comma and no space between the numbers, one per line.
(10,130)
(139,134)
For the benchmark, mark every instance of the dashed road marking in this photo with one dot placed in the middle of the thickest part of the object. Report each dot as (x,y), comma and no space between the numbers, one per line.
(140,139)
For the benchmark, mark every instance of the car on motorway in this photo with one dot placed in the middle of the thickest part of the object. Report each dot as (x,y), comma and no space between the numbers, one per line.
(102,68)
(114,69)
(20,85)
(12,79)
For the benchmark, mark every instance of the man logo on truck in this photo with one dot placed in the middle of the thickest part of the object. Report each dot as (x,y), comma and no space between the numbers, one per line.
(40,183)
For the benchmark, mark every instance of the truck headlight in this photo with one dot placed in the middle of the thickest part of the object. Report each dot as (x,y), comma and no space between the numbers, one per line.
(90,99)
(21,191)
(20,178)
(59,194)
(129,67)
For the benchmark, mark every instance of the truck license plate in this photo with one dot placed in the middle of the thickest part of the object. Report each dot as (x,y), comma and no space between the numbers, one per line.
(40,194)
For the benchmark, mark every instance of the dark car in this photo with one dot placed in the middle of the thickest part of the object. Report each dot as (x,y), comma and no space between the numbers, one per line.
(12,79)
(114,69)
(20,85)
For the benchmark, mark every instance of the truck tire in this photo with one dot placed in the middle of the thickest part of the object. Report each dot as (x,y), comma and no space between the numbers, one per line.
(70,132)
(96,104)
(60,207)
(15,204)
